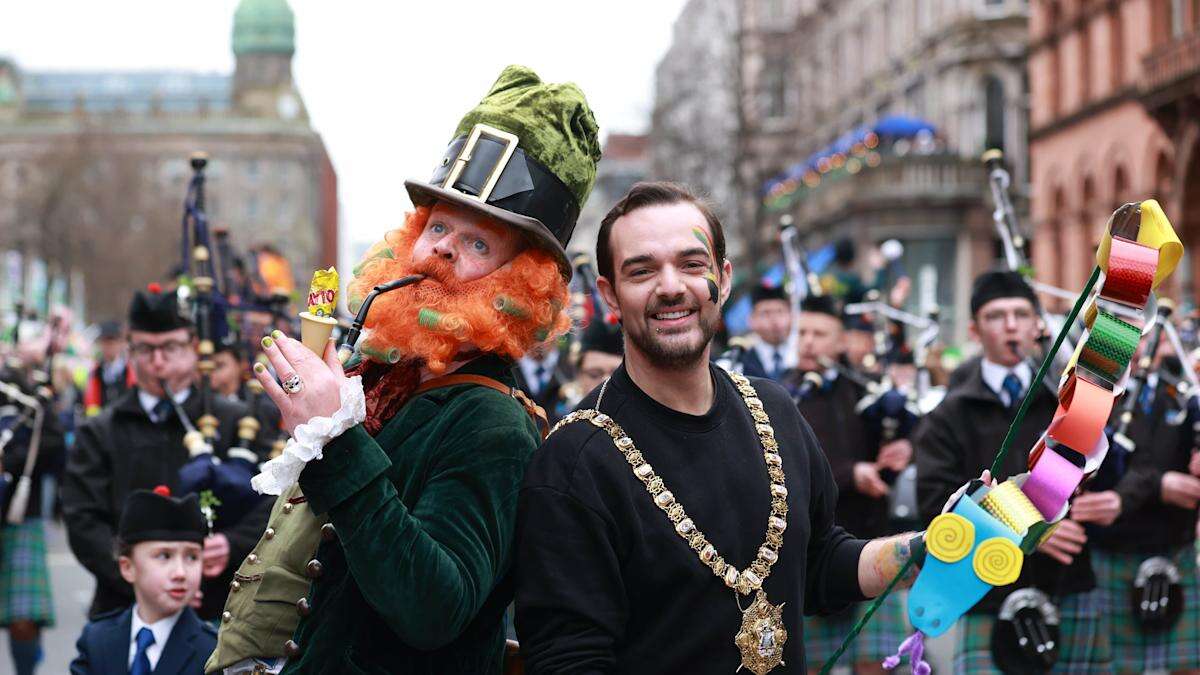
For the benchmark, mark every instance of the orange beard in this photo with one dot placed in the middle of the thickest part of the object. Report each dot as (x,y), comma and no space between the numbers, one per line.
(506,312)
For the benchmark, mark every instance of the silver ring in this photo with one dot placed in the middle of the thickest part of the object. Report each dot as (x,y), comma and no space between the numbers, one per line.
(293,384)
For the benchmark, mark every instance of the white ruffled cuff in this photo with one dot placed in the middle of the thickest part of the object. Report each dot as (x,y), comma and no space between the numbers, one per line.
(309,439)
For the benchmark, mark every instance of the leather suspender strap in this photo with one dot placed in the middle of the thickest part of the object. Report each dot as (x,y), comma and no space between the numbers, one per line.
(532,409)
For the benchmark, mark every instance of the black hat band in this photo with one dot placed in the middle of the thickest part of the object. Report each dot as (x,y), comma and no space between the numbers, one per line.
(489,167)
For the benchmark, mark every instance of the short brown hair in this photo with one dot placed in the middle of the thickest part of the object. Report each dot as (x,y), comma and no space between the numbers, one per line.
(656,193)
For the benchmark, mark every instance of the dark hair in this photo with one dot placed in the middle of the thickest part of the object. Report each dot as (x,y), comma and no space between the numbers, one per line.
(121,548)
(656,193)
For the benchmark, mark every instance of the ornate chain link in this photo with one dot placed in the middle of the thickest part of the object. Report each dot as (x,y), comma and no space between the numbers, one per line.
(743,581)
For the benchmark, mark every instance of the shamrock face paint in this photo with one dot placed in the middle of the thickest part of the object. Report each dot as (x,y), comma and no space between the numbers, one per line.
(714,289)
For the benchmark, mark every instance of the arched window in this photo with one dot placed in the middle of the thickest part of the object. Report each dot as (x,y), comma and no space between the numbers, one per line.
(1120,186)
(994,109)
(1164,177)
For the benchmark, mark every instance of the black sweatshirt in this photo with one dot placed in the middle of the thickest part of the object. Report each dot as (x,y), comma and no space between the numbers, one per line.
(604,584)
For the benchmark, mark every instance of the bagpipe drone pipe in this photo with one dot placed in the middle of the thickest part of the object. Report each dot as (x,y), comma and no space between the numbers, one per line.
(222,483)
(981,539)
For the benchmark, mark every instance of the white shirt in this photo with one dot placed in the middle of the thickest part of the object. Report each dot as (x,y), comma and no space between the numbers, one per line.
(162,632)
(148,401)
(766,355)
(994,374)
(529,368)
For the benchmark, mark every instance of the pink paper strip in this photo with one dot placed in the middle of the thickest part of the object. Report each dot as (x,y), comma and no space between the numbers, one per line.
(1051,482)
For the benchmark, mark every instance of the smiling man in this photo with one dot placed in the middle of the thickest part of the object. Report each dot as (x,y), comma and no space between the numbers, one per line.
(683,521)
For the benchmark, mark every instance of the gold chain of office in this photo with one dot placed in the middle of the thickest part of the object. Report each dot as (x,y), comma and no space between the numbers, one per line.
(743,581)
(762,635)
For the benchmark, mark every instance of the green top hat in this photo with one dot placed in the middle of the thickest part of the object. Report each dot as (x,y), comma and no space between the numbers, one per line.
(526,156)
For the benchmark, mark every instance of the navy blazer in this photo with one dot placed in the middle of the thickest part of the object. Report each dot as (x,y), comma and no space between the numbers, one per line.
(104,646)
(752,366)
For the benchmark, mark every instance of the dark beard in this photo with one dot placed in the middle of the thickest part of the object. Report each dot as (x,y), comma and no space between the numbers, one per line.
(675,357)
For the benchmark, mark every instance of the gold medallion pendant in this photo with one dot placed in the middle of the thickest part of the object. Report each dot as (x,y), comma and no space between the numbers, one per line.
(762,636)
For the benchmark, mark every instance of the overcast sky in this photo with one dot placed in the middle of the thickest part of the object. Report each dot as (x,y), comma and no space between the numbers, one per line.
(385,82)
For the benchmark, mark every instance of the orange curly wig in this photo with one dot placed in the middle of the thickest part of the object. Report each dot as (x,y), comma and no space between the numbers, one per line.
(506,312)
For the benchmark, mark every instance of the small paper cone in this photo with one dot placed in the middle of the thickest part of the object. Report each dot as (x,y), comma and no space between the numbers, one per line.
(315,331)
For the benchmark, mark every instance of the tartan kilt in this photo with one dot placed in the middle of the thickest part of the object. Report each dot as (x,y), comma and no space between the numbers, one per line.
(25,574)
(1133,650)
(879,639)
(1084,645)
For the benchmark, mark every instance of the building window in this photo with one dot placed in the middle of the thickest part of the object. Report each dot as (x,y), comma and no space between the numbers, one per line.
(1120,186)
(994,109)
(774,89)
(1178,27)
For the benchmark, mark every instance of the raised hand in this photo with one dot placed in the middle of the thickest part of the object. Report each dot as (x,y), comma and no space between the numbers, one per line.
(1065,542)
(895,455)
(314,383)
(1180,489)
(1101,508)
(867,480)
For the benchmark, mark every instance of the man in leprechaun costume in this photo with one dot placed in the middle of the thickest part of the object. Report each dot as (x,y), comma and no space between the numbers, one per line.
(393,555)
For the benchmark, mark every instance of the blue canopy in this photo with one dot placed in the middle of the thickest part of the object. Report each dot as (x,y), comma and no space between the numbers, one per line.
(891,127)
(902,126)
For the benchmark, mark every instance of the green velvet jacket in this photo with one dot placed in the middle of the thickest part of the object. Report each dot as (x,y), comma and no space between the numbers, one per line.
(417,577)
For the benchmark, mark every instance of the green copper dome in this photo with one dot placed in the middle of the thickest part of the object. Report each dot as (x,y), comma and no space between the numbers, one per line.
(264,27)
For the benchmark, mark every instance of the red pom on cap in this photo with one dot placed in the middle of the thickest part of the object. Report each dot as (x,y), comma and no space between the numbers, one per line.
(156,288)
(162,491)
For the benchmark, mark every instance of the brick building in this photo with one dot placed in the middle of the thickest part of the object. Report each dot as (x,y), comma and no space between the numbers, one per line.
(1113,119)
(878,112)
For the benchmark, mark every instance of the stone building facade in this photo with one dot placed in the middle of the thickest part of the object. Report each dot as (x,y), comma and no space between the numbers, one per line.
(1113,119)
(94,165)
(695,133)
(811,71)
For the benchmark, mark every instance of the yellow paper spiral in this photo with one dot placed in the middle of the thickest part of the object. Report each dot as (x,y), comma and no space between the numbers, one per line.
(997,561)
(950,537)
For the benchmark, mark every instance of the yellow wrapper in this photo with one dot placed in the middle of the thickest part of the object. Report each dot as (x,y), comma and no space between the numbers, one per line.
(322,293)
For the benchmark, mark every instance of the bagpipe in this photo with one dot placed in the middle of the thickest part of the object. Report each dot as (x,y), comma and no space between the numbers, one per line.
(22,419)
(889,411)
(25,397)
(1016,256)
(224,484)
(981,539)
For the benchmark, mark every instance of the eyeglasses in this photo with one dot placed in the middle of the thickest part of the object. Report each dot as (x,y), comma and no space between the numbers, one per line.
(169,349)
(1002,316)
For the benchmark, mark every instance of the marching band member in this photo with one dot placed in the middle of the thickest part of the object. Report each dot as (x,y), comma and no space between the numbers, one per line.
(828,403)
(1142,535)
(773,352)
(963,432)
(112,374)
(137,443)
